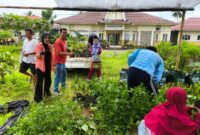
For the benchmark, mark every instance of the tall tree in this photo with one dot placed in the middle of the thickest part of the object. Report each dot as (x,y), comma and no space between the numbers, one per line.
(17,23)
(177,15)
(48,15)
(29,13)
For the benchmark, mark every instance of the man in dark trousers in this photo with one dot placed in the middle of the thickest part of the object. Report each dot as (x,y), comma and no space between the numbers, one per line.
(145,67)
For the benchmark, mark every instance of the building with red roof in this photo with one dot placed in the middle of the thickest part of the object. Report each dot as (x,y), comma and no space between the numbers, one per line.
(137,28)
(191,31)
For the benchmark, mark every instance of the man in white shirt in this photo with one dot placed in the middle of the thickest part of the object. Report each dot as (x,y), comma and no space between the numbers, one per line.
(28,55)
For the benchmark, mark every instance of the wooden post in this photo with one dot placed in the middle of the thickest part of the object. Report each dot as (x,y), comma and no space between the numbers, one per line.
(178,58)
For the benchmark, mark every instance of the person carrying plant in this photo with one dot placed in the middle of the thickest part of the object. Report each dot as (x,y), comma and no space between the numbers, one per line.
(171,117)
(27,58)
(145,67)
(60,57)
(95,51)
(44,65)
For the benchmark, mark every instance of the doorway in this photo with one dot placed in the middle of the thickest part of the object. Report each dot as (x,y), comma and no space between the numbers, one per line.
(114,38)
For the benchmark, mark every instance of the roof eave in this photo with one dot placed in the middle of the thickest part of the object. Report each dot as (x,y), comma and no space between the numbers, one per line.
(100,10)
(186,30)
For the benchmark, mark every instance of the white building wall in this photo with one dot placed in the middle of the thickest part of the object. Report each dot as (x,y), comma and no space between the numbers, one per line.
(130,29)
(193,36)
(165,30)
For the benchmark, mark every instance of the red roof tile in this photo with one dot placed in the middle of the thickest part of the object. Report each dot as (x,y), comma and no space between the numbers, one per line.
(83,18)
(147,19)
(191,24)
(131,18)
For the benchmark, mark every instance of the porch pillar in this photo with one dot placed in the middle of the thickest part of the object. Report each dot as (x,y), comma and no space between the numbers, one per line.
(152,38)
(123,37)
(139,36)
(104,35)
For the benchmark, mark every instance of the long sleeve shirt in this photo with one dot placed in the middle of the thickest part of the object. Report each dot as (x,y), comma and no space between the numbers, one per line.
(148,61)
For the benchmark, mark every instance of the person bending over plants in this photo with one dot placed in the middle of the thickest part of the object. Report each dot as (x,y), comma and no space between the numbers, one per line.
(171,117)
(95,51)
(145,67)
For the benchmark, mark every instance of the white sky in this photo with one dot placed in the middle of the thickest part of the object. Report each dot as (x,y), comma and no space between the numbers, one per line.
(62,14)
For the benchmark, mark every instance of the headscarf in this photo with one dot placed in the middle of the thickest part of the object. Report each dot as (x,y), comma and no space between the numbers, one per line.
(91,38)
(171,117)
(44,36)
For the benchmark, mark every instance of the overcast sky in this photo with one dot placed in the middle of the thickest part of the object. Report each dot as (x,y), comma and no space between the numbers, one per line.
(62,14)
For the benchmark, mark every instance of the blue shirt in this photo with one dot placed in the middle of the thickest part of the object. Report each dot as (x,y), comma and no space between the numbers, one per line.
(148,61)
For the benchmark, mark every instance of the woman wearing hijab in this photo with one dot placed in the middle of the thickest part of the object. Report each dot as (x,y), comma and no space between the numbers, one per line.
(44,65)
(170,117)
(95,51)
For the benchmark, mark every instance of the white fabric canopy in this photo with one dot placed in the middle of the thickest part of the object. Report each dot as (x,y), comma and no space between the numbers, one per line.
(103,5)
(127,4)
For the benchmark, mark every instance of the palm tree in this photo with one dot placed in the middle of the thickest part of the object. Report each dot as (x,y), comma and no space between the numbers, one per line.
(48,15)
(177,14)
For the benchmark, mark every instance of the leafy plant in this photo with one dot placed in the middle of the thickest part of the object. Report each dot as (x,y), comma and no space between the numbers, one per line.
(11,21)
(6,64)
(190,54)
(5,35)
(105,44)
(119,109)
(79,49)
(54,119)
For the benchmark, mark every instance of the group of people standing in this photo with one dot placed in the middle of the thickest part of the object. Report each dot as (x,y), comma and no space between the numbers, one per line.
(42,58)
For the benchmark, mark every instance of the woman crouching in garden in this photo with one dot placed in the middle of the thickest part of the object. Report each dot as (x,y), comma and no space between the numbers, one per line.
(171,117)
(44,65)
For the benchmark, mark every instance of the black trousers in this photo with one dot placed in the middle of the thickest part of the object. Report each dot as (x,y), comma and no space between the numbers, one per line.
(43,81)
(137,77)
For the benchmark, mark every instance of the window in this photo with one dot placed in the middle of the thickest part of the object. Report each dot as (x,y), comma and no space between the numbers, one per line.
(100,36)
(198,37)
(134,37)
(126,36)
(164,37)
(156,38)
(186,37)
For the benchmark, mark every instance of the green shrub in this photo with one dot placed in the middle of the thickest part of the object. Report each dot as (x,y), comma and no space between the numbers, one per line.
(190,54)
(5,36)
(16,87)
(193,92)
(78,48)
(117,111)
(105,44)
(6,64)
(59,118)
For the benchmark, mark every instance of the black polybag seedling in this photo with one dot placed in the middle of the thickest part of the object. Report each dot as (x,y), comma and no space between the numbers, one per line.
(18,108)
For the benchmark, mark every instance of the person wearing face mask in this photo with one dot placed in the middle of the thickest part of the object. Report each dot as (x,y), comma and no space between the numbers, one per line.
(95,51)
(44,65)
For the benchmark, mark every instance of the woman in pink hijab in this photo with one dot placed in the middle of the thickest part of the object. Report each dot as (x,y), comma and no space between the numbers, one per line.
(171,117)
